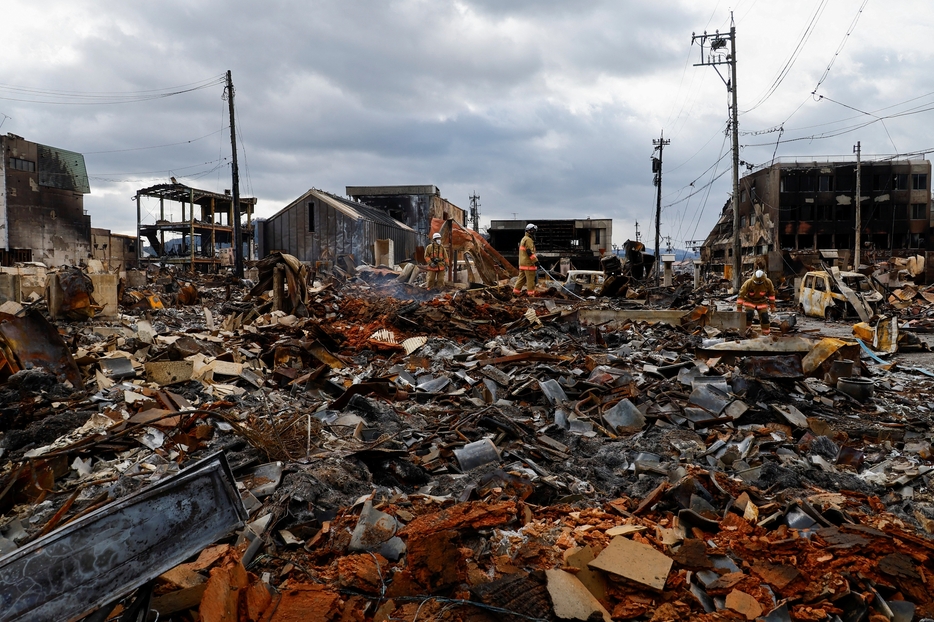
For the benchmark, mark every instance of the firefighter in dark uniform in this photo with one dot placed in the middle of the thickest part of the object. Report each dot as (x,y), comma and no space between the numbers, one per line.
(756,295)
(437,257)
(528,262)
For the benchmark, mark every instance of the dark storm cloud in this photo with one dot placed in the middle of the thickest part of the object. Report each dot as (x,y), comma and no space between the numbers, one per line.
(543,107)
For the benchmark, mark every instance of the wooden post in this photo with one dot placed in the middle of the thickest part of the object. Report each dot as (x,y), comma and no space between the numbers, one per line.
(278,287)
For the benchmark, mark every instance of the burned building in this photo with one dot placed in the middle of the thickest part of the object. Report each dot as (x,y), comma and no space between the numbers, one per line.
(799,207)
(413,205)
(319,226)
(42,215)
(581,242)
(193,227)
(115,251)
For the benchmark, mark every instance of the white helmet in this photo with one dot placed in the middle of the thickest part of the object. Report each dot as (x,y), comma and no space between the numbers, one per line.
(531,227)
(759,274)
(436,236)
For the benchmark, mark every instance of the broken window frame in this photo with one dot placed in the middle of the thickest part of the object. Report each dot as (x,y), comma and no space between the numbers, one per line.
(919,211)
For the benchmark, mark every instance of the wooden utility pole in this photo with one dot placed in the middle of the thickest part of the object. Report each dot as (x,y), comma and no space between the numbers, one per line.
(714,55)
(235,174)
(659,143)
(859,210)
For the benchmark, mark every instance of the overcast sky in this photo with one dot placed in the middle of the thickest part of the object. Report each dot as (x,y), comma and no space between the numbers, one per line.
(546,109)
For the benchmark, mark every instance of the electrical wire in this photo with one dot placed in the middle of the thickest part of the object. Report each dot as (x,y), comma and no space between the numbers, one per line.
(78,98)
(839,49)
(184,142)
(786,68)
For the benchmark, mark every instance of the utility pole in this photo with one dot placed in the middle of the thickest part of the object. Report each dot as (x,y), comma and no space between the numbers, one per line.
(638,235)
(475,211)
(713,56)
(235,174)
(668,244)
(859,207)
(659,143)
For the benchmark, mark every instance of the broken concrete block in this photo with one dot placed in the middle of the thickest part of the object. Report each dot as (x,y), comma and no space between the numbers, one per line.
(634,561)
(169,372)
(571,599)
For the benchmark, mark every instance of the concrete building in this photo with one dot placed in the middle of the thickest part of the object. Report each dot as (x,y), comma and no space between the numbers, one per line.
(319,226)
(413,205)
(116,251)
(800,206)
(581,242)
(42,215)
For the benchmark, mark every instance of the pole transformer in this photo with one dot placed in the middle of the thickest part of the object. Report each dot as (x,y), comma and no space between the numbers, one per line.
(659,143)
(713,48)
(235,183)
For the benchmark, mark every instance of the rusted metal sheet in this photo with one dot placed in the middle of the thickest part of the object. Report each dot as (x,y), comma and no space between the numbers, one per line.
(76,286)
(787,366)
(107,554)
(34,342)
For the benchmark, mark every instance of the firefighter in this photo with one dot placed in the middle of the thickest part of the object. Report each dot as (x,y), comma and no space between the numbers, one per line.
(757,294)
(437,257)
(528,262)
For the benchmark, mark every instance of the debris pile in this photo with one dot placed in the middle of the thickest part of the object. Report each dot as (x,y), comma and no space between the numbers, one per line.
(369,452)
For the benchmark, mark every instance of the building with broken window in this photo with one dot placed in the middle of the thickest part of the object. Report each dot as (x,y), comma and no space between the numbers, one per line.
(42,215)
(580,242)
(799,207)
(319,226)
(413,205)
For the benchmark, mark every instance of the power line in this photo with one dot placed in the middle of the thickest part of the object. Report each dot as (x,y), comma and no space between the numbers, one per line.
(839,49)
(184,142)
(78,98)
(786,68)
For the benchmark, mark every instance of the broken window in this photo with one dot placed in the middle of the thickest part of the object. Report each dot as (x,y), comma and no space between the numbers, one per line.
(596,236)
(900,181)
(919,181)
(917,241)
(311,217)
(825,183)
(806,213)
(918,211)
(880,182)
(901,212)
(22,165)
(819,284)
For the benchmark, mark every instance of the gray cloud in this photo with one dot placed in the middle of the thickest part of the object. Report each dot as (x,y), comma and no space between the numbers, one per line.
(542,107)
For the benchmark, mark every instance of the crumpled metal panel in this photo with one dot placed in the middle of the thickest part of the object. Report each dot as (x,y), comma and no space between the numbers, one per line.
(35,342)
(107,554)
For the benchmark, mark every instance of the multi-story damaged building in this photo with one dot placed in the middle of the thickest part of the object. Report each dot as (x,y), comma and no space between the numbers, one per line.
(581,242)
(42,215)
(413,205)
(796,206)
(194,227)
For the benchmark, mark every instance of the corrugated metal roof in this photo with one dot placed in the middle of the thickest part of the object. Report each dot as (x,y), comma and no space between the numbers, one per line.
(357,211)
(62,169)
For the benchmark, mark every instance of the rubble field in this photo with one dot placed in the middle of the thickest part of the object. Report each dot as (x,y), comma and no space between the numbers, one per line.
(352,447)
